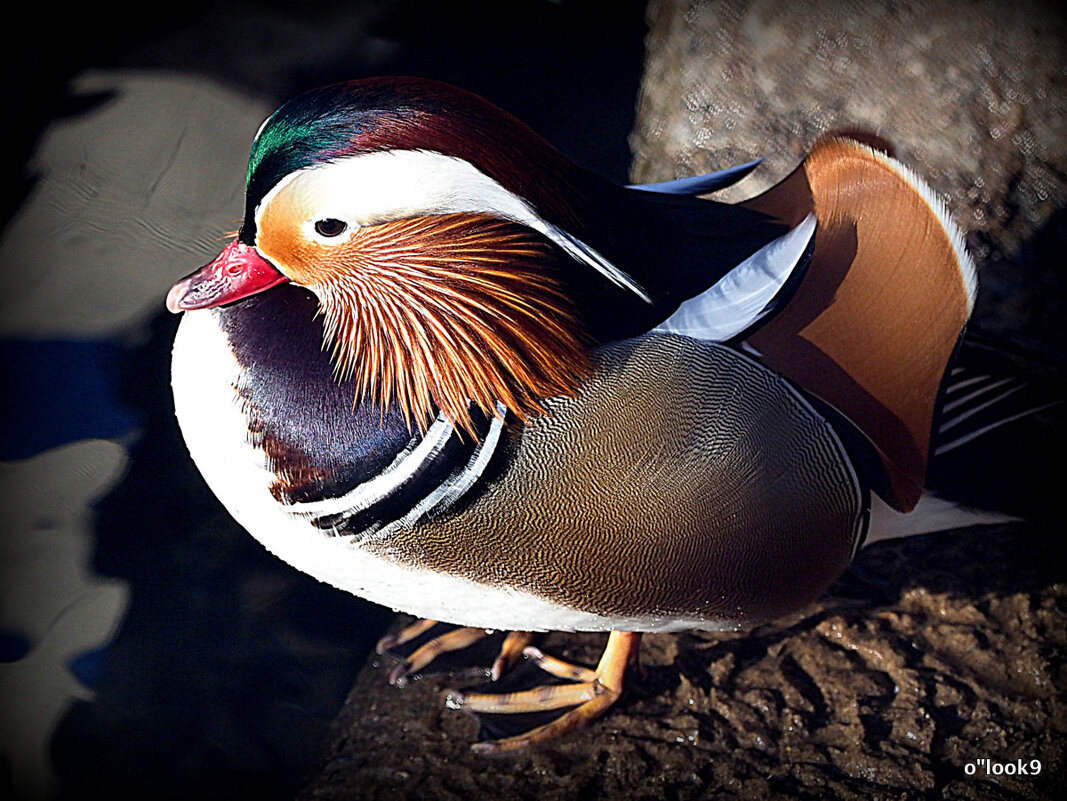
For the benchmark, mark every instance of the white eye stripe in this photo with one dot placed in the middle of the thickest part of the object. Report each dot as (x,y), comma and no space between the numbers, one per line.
(371,188)
(375,187)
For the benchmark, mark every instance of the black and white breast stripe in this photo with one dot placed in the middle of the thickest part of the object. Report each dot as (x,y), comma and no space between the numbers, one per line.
(428,477)
(349,468)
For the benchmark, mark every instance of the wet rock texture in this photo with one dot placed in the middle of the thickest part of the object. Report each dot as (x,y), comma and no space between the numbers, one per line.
(929,654)
(926,656)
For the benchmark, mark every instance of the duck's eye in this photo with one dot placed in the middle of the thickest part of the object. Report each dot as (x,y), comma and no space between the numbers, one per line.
(330,227)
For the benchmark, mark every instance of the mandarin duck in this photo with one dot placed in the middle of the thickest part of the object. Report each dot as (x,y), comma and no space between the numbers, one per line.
(446,369)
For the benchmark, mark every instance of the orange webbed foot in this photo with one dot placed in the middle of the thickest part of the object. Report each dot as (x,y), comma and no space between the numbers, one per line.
(590,695)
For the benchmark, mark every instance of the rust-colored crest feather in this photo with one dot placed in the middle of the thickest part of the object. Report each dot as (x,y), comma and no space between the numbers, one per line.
(451,312)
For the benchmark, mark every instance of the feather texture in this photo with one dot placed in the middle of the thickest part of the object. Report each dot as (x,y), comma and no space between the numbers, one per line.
(449,312)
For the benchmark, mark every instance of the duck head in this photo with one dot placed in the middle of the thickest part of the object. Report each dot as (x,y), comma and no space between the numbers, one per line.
(435,230)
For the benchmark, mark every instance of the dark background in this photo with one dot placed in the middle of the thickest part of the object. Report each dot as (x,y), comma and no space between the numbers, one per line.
(570,69)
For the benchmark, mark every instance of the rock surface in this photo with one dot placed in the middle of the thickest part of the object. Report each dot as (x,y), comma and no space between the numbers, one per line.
(927,655)
(930,654)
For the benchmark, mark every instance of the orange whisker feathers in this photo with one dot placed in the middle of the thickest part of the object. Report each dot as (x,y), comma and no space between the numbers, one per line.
(452,312)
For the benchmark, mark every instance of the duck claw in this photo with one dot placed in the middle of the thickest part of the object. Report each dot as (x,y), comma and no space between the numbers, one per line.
(513,649)
(591,694)
(405,635)
(455,639)
(587,696)
(576,718)
(421,657)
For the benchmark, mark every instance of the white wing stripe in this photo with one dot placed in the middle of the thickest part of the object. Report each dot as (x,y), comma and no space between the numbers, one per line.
(971,412)
(948,407)
(949,446)
(741,297)
(956,387)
